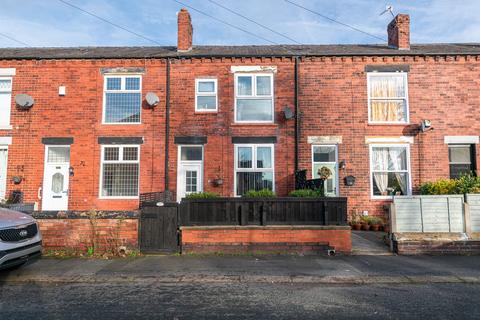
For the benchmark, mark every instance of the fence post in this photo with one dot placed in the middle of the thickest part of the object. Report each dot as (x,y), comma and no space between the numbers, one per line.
(265,210)
(393,218)
(467,219)
(325,213)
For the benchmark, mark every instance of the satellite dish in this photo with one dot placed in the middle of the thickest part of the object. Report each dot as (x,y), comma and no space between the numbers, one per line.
(288,113)
(152,99)
(24,101)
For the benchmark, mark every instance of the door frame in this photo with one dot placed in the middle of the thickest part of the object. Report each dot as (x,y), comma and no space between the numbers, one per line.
(4,183)
(337,182)
(45,165)
(189,162)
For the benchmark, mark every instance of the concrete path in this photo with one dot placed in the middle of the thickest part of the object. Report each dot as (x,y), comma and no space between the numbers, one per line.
(369,243)
(269,269)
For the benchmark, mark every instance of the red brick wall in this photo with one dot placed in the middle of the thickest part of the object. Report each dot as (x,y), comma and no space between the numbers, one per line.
(334,102)
(336,237)
(78,234)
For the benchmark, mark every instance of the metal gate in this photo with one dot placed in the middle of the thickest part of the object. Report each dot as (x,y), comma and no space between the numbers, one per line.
(159,229)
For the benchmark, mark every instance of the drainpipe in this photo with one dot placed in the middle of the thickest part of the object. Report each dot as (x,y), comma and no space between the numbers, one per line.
(167,125)
(297,115)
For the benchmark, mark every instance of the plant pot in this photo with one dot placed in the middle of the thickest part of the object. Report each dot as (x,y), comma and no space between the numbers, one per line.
(375,227)
(356,226)
(365,227)
(386,228)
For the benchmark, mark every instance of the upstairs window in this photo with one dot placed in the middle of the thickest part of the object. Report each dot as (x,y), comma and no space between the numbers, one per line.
(253,98)
(5,101)
(253,168)
(205,95)
(387,97)
(120,171)
(122,99)
(461,159)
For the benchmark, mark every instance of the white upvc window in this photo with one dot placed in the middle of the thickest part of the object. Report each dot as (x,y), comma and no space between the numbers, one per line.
(390,170)
(5,102)
(206,99)
(254,167)
(254,100)
(387,97)
(120,171)
(122,99)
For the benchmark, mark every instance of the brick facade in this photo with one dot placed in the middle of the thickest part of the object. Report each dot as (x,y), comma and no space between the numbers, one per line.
(332,101)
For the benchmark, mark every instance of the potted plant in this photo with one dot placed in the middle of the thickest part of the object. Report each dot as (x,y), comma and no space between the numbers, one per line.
(375,223)
(365,223)
(355,222)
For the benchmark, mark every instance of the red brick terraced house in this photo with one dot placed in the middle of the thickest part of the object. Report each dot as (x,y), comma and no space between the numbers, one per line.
(110,123)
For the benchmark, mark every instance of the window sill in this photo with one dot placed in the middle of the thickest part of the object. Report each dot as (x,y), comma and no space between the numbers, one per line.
(5,127)
(205,112)
(247,124)
(403,124)
(122,124)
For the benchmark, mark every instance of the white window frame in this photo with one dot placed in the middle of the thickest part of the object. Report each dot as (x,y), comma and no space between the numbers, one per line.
(254,163)
(254,95)
(120,160)
(7,125)
(206,94)
(370,99)
(409,172)
(337,184)
(122,90)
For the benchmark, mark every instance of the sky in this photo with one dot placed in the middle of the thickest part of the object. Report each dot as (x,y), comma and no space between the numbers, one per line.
(51,23)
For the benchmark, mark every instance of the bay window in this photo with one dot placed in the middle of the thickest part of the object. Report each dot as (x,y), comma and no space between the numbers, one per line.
(390,170)
(387,97)
(253,97)
(122,99)
(253,168)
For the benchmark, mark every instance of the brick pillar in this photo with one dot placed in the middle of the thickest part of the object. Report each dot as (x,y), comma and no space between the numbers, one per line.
(185,31)
(399,32)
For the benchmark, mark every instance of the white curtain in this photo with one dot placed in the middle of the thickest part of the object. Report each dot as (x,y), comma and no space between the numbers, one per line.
(380,162)
(386,88)
(397,163)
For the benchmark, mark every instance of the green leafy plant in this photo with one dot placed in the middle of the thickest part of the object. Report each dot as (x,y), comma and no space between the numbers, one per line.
(202,195)
(375,220)
(462,185)
(264,193)
(306,193)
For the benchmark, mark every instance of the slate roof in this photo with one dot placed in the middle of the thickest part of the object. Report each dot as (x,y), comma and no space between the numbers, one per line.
(236,51)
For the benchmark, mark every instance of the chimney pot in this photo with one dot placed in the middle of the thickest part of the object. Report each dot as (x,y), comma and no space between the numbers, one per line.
(185,31)
(399,32)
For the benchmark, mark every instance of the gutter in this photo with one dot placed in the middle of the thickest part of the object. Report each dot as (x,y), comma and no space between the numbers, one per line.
(167,125)
(297,114)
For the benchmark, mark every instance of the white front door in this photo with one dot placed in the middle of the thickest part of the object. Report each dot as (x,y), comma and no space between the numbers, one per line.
(190,171)
(326,156)
(56,178)
(3,172)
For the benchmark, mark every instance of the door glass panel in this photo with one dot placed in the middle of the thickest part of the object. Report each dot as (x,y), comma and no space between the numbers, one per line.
(58,154)
(324,154)
(331,183)
(191,183)
(57,182)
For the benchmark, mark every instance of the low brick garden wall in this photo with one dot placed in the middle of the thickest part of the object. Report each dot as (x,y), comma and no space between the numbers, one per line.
(79,232)
(431,243)
(278,239)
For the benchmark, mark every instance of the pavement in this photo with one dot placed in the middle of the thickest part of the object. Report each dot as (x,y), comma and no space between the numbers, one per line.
(370,243)
(353,269)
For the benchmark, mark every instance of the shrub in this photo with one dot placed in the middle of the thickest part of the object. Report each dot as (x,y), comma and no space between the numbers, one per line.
(264,193)
(202,195)
(462,185)
(306,193)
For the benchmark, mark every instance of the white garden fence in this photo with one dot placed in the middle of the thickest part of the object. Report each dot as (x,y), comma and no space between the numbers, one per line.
(473,201)
(445,213)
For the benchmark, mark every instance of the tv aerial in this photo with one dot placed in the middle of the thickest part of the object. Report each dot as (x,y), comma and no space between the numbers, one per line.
(388,9)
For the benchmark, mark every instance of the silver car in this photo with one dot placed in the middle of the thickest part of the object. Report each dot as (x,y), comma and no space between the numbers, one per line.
(20,238)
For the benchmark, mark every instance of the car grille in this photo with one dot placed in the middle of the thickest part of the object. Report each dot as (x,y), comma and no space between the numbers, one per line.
(14,235)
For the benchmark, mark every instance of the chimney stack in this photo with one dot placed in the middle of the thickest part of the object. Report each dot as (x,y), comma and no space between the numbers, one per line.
(185,31)
(399,32)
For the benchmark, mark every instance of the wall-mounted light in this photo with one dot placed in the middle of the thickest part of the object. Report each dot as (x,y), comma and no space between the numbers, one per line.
(426,125)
